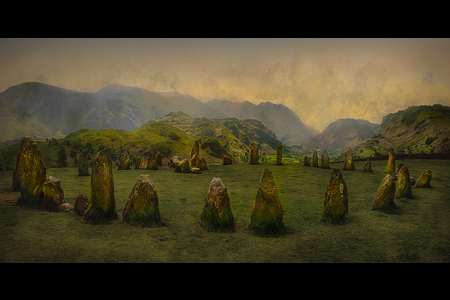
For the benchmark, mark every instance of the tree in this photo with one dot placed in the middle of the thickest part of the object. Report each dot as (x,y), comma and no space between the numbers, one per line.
(62,157)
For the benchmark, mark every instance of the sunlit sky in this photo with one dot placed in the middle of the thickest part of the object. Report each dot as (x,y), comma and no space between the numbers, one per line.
(321,79)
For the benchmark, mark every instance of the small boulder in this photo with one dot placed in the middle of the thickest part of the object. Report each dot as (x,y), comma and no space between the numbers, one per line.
(367,166)
(142,207)
(52,192)
(65,207)
(424,180)
(81,203)
(173,161)
(124,163)
(385,194)
(182,166)
(348,161)
(254,154)
(279,154)
(217,210)
(227,160)
(83,164)
(203,163)
(315,160)
(404,183)
(335,205)
(195,170)
(325,159)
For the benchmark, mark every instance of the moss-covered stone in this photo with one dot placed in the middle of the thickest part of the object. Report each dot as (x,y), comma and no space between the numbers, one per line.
(424,180)
(267,212)
(367,166)
(386,193)
(152,164)
(195,149)
(102,206)
(404,183)
(142,207)
(182,166)
(83,164)
(325,160)
(217,213)
(254,154)
(124,163)
(30,173)
(315,159)
(306,161)
(81,203)
(137,164)
(194,159)
(348,161)
(335,205)
(391,162)
(52,193)
(279,154)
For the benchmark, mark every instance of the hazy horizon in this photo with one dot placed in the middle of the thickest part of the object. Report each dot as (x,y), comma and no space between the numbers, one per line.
(321,80)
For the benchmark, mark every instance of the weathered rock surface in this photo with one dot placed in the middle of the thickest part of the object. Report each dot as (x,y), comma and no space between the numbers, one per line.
(142,207)
(254,154)
(335,205)
(279,154)
(367,166)
(83,164)
(267,212)
(306,161)
(315,160)
(194,159)
(124,163)
(102,205)
(65,207)
(182,166)
(424,180)
(30,172)
(195,170)
(391,162)
(348,161)
(52,192)
(173,161)
(227,160)
(385,194)
(217,210)
(152,164)
(195,149)
(81,203)
(325,160)
(404,183)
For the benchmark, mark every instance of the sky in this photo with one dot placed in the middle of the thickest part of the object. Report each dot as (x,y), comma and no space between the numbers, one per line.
(320,79)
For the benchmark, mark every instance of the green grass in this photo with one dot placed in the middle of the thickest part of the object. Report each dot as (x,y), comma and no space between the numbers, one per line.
(417,231)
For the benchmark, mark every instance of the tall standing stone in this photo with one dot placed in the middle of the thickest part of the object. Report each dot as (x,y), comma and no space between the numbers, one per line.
(315,160)
(306,161)
(424,180)
(217,210)
(335,205)
(267,212)
(142,207)
(404,183)
(83,164)
(325,159)
(367,166)
(348,161)
(385,194)
(254,154)
(124,163)
(195,149)
(194,159)
(391,162)
(102,206)
(30,172)
(279,154)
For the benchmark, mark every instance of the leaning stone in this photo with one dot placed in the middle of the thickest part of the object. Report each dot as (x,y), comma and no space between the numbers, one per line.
(124,163)
(142,207)
(424,180)
(348,162)
(267,212)
(52,193)
(367,166)
(30,172)
(65,207)
(306,161)
(385,194)
(102,205)
(335,205)
(217,210)
(81,203)
(254,154)
(391,162)
(227,160)
(279,154)
(315,160)
(83,164)
(404,184)
(195,149)
(325,159)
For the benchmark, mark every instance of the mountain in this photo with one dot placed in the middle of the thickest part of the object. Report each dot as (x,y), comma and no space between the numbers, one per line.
(286,124)
(342,134)
(416,129)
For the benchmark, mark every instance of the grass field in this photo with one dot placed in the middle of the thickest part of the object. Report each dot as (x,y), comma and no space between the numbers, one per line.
(417,231)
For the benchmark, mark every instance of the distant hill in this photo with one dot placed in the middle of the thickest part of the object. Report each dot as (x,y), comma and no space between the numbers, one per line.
(342,134)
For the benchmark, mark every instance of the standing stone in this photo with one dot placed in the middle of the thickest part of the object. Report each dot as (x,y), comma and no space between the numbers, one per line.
(173,161)
(83,164)
(52,193)
(143,164)
(102,205)
(279,154)
(195,149)
(424,180)
(306,161)
(194,159)
(152,164)
(227,160)
(391,162)
(182,166)
(142,207)
(159,158)
(30,172)
(404,184)
(325,159)
(137,165)
(217,210)
(254,154)
(267,212)
(335,205)
(385,194)
(203,163)
(81,203)
(367,166)
(348,162)
(315,160)
(124,163)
